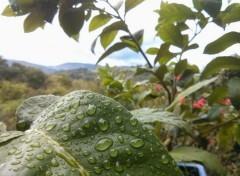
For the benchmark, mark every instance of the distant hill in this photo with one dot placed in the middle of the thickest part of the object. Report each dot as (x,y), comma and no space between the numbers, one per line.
(53,69)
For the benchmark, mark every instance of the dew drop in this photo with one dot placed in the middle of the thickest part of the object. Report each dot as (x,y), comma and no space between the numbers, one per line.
(119,108)
(136,132)
(164,159)
(19,156)
(103,144)
(16,162)
(67,108)
(133,121)
(85,153)
(11,152)
(140,154)
(70,98)
(103,124)
(122,128)
(49,173)
(81,132)
(54,163)
(35,145)
(80,116)
(118,167)
(106,102)
(60,115)
(91,110)
(128,151)
(48,150)
(118,119)
(50,114)
(40,157)
(87,124)
(136,143)
(30,166)
(60,104)
(28,158)
(65,137)
(113,153)
(73,111)
(120,139)
(90,96)
(66,127)
(106,164)
(76,105)
(92,160)
(97,170)
(50,126)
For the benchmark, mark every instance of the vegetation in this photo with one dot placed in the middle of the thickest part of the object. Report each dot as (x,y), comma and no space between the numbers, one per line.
(182,105)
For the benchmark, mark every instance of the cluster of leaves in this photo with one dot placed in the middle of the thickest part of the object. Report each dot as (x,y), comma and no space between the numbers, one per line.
(182,84)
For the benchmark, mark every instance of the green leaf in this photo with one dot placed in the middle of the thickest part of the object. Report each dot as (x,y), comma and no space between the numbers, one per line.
(8,12)
(152,50)
(112,49)
(160,72)
(98,21)
(72,20)
(231,14)
(163,54)
(218,94)
(197,5)
(172,13)
(6,136)
(148,115)
(225,137)
(171,34)
(222,43)
(85,133)
(180,66)
(33,21)
(191,154)
(225,62)
(31,108)
(190,47)
(129,4)
(191,90)
(234,91)
(107,38)
(212,7)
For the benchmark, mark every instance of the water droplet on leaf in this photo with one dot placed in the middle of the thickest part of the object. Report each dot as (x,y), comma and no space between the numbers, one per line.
(113,153)
(91,110)
(50,126)
(103,144)
(136,143)
(118,119)
(103,124)
(66,127)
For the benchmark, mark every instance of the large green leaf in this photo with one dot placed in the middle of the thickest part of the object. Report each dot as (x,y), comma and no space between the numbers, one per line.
(191,90)
(107,38)
(33,21)
(231,14)
(220,63)
(234,92)
(180,66)
(222,43)
(98,21)
(148,115)
(212,7)
(130,4)
(171,13)
(191,154)
(163,54)
(85,133)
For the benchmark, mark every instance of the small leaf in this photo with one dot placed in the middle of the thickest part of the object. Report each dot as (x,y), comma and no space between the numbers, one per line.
(212,7)
(152,50)
(33,21)
(191,90)
(160,71)
(197,5)
(112,49)
(107,38)
(180,66)
(171,34)
(8,12)
(231,14)
(164,55)
(98,21)
(94,45)
(222,43)
(220,63)
(218,94)
(148,115)
(191,154)
(190,47)
(234,91)
(118,25)
(130,4)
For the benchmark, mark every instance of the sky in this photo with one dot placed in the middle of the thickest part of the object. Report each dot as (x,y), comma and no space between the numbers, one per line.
(51,46)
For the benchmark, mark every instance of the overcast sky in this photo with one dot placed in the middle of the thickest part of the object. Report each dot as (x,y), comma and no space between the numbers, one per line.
(52,46)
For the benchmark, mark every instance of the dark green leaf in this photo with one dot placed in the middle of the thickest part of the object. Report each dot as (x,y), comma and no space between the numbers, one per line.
(72,20)
(218,94)
(119,25)
(190,47)
(220,63)
(212,7)
(222,43)
(234,92)
(94,45)
(197,5)
(160,72)
(112,49)
(85,133)
(231,14)
(191,154)
(8,12)
(180,66)
(33,21)
(130,4)
(225,137)
(98,21)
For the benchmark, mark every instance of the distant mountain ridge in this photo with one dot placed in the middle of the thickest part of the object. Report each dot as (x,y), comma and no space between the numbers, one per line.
(52,69)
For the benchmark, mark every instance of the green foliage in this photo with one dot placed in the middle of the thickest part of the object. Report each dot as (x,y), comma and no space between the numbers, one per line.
(81,133)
